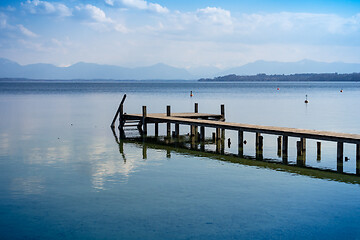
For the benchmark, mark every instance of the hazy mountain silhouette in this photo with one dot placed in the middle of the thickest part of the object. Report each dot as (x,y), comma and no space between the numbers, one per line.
(304,66)
(81,70)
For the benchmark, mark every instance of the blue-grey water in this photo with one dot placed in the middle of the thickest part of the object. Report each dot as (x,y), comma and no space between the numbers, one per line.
(63,175)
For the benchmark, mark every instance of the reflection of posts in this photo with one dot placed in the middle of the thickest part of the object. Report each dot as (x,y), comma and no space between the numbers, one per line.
(340,156)
(144,152)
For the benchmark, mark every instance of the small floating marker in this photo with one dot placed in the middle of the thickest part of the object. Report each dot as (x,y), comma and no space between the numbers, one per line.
(306,100)
(341,90)
(278,89)
(347,159)
(229,142)
(191,94)
(245,142)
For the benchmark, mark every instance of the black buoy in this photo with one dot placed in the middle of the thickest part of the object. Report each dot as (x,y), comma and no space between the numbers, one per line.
(191,94)
(245,142)
(229,142)
(306,100)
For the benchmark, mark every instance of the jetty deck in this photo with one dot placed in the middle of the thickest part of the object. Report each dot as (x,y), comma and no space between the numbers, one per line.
(205,120)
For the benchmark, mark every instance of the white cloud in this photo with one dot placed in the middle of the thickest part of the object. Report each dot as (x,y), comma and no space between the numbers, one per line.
(215,15)
(97,19)
(138,4)
(44,7)
(91,12)
(26,31)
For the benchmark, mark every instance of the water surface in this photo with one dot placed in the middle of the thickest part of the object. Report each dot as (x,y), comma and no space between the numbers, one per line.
(63,175)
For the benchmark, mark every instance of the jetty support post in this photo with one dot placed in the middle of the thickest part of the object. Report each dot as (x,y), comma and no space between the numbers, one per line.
(279,146)
(340,156)
(156,129)
(285,146)
(202,133)
(241,143)
(168,125)
(257,142)
(358,159)
(260,148)
(194,128)
(177,130)
(318,151)
(144,130)
(222,112)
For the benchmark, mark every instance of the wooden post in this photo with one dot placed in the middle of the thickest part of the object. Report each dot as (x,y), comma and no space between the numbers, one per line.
(300,160)
(144,120)
(168,125)
(318,151)
(168,153)
(156,129)
(202,133)
(340,156)
(260,148)
(194,129)
(279,146)
(241,143)
(213,136)
(257,136)
(217,134)
(222,107)
(196,108)
(223,134)
(177,130)
(357,159)
(121,117)
(303,146)
(285,149)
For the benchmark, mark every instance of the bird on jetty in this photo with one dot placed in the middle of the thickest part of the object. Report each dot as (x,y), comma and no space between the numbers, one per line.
(306,100)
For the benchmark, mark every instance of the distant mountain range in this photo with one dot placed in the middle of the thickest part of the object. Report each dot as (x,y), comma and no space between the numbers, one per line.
(81,70)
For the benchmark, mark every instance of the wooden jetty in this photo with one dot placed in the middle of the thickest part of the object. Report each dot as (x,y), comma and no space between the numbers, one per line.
(217,121)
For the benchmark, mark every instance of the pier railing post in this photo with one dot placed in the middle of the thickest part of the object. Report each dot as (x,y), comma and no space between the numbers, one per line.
(144,120)
(222,108)
(194,130)
(168,124)
(340,156)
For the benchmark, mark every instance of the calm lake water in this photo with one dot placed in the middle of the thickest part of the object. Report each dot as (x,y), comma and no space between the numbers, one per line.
(63,175)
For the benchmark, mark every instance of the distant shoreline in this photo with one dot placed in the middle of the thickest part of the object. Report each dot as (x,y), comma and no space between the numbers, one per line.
(304,77)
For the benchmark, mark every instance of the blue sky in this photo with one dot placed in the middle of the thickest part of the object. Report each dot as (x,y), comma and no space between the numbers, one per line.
(184,33)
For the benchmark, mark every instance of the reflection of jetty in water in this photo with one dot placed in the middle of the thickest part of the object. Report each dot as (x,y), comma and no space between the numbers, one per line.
(197,140)
(185,145)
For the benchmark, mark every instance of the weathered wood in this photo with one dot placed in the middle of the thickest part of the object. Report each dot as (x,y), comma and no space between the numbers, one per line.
(213,136)
(222,107)
(241,143)
(120,111)
(303,145)
(285,146)
(259,152)
(257,141)
(340,156)
(318,151)
(279,146)
(202,133)
(144,115)
(217,134)
(290,132)
(196,108)
(177,130)
(168,124)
